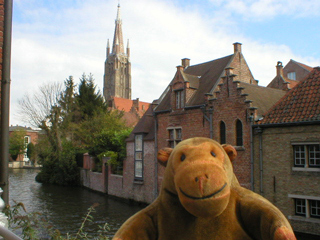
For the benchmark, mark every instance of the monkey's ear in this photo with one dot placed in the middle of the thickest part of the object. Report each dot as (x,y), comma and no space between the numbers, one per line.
(231,151)
(163,156)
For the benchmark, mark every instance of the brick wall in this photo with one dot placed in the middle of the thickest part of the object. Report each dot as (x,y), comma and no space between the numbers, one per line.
(294,67)
(229,107)
(241,69)
(278,176)
(126,186)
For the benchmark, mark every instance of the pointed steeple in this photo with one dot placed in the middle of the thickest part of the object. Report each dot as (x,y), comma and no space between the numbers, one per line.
(108,48)
(128,49)
(118,39)
(117,68)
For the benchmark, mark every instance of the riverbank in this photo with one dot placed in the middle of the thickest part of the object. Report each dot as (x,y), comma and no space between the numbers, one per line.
(23,164)
(65,206)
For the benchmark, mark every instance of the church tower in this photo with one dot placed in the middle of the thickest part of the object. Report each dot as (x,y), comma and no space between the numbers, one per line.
(117,73)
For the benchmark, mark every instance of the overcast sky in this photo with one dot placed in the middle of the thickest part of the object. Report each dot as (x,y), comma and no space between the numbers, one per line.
(53,39)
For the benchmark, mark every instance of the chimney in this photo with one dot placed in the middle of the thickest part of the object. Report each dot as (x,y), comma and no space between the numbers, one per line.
(279,69)
(180,68)
(237,47)
(185,62)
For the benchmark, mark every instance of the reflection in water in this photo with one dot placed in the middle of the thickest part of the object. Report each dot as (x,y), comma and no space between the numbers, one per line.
(64,207)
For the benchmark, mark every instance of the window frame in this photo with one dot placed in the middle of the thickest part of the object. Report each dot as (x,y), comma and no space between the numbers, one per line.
(138,151)
(292,75)
(239,133)
(174,136)
(306,156)
(179,99)
(310,204)
(223,132)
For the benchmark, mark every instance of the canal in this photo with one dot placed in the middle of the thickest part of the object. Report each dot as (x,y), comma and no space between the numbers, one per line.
(64,207)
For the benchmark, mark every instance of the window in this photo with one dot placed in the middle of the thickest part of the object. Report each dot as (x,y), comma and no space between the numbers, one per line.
(306,155)
(306,206)
(314,208)
(291,75)
(179,99)
(239,137)
(26,140)
(300,207)
(138,157)
(222,132)
(175,136)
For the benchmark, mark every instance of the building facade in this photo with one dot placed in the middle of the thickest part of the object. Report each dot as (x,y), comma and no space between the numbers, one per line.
(218,99)
(287,155)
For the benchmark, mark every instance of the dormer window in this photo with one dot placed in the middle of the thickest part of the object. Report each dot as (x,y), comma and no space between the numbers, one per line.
(179,99)
(291,75)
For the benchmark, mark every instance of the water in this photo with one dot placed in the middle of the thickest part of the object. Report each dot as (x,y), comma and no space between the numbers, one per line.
(64,207)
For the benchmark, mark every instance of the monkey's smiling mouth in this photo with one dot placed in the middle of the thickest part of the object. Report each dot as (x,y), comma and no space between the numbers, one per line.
(204,197)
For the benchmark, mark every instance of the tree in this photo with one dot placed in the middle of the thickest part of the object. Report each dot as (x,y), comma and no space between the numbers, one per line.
(89,100)
(35,109)
(16,143)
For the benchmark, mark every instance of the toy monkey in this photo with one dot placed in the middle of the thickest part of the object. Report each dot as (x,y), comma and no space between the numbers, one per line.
(201,198)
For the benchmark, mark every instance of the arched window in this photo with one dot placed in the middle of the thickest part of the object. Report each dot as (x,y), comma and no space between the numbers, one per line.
(239,133)
(222,132)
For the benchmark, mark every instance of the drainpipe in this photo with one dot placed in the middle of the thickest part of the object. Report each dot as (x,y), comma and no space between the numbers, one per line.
(259,130)
(5,99)
(251,153)
(155,155)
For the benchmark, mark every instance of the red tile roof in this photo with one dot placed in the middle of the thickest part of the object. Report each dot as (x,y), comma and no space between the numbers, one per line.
(304,66)
(300,104)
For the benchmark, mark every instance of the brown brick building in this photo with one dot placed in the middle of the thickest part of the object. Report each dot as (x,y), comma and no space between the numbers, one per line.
(216,99)
(31,136)
(287,155)
(287,77)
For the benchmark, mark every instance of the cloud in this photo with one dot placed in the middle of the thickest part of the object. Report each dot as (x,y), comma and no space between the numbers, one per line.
(263,9)
(51,43)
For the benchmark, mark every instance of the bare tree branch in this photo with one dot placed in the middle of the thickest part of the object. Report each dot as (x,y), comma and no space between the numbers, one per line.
(36,108)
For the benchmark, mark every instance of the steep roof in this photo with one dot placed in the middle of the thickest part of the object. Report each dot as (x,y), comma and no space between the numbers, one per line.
(263,98)
(300,104)
(203,77)
(210,73)
(303,65)
(145,126)
(126,105)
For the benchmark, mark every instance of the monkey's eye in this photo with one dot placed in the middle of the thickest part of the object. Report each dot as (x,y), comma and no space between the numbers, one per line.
(183,157)
(213,154)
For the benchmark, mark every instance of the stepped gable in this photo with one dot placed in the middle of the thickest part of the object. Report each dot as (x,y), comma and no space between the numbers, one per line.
(261,98)
(202,77)
(210,73)
(300,104)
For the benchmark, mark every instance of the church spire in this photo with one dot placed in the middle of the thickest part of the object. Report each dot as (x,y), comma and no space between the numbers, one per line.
(117,47)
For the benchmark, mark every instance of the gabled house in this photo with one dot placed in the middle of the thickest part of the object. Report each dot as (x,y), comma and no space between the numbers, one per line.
(287,77)
(210,100)
(287,155)
(139,179)
(235,107)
